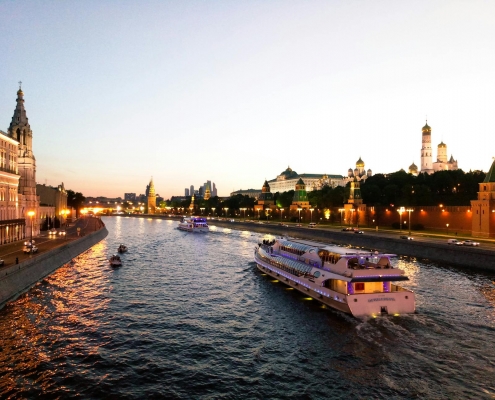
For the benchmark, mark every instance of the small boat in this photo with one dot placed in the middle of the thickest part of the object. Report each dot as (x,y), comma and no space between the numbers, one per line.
(194,224)
(122,248)
(115,261)
(356,282)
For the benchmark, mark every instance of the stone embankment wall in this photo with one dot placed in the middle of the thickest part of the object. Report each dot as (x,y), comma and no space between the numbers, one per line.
(19,278)
(461,256)
(472,257)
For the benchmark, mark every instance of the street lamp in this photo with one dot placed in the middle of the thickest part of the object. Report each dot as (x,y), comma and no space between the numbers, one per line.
(299,209)
(400,211)
(281,214)
(31,215)
(201,208)
(409,210)
(447,228)
(311,209)
(226,209)
(341,211)
(244,209)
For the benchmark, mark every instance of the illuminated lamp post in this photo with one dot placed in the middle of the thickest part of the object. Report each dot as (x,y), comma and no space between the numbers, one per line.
(31,215)
(201,208)
(409,210)
(244,209)
(311,209)
(400,211)
(341,211)
(447,228)
(213,210)
(299,209)
(281,214)
(226,209)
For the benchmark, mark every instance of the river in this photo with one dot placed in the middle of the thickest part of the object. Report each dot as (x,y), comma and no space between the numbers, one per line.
(189,316)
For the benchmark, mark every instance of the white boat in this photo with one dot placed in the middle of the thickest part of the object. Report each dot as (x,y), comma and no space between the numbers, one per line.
(115,261)
(194,224)
(353,281)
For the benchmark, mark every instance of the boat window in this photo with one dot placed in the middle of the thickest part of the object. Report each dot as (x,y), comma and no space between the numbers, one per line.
(316,274)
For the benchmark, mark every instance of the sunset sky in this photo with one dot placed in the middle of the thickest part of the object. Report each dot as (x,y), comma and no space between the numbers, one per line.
(235,91)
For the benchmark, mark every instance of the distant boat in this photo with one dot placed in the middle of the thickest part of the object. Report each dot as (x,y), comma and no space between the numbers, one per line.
(122,248)
(194,224)
(115,261)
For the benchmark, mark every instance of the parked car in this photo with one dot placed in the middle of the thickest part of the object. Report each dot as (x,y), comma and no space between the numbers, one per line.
(358,232)
(30,249)
(471,243)
(52,231)
(455,242)
(348,229)
(406,237)
(312,225)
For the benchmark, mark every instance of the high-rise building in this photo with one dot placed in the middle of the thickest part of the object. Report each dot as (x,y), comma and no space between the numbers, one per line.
(191,190)
(214,190)
(186,192)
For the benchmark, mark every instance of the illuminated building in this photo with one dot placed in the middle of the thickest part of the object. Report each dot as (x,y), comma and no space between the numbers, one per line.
(427,164)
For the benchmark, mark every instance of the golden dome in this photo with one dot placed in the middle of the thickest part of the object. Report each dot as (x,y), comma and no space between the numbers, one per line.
(442,144)
(360,163)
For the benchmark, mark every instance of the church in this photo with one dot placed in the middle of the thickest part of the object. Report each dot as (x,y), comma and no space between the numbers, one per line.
(427,164)
(19,203)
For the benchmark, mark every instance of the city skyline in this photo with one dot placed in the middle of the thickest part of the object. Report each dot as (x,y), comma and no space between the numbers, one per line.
(239,91)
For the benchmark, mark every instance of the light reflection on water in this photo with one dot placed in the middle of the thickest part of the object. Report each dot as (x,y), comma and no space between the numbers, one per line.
(189,316)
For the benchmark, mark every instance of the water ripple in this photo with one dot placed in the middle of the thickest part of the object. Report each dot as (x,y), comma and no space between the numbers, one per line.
(189,316)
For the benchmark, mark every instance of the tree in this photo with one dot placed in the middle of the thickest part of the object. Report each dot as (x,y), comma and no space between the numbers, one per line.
(75,200)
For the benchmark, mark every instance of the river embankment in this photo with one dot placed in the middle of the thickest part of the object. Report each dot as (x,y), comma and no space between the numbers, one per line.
(15,279)
(481,258)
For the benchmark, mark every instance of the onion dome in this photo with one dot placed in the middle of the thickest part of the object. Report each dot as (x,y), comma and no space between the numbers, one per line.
(349,173)
(360,163)
(426,129)
(413,168)
(369,173)
(442,144)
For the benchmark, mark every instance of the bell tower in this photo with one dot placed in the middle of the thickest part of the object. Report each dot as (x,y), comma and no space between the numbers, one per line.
(20,130)
(426,153)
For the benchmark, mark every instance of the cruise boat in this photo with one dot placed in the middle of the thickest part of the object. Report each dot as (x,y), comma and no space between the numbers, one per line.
(194,224)
(353,281)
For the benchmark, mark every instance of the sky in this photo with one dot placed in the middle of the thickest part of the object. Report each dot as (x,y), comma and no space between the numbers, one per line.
(117,92)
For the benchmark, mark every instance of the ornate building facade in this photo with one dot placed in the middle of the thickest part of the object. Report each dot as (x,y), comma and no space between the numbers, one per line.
(288,179)
(359,173)
(427,164)
(19,203)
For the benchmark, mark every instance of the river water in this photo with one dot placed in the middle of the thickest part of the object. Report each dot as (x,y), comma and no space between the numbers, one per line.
(189,316)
